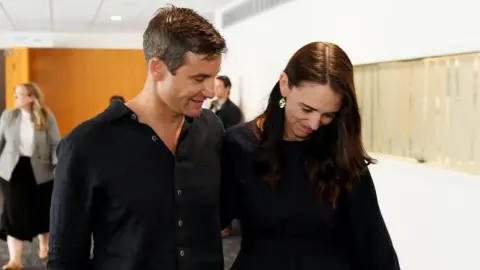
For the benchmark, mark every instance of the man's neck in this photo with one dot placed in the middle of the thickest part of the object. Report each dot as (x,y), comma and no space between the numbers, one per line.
(152,110)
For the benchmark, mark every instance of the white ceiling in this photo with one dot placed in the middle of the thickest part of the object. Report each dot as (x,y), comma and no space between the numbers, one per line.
(90,15)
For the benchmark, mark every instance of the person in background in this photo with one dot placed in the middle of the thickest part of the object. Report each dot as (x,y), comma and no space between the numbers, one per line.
(119,98)
(297,176)
(222,106)
(28,138)
(143,176)
(229,113)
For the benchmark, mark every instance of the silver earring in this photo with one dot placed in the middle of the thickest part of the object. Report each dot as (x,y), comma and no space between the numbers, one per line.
(282,102)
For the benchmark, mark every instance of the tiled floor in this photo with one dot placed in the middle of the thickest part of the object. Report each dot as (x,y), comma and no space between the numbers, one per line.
(231,245)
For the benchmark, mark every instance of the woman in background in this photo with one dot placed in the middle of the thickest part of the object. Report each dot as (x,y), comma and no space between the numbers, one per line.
(297,179)
(28,138)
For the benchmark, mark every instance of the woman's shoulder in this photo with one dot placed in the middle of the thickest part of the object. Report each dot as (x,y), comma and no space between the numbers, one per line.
(242,135)
(9,113)
(50,114)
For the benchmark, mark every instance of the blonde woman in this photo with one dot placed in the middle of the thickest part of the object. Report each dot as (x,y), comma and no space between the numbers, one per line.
(28,138)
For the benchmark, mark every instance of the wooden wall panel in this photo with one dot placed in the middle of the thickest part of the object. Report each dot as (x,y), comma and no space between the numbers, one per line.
(476,112)
(16,72)
(427,109)
(2,80)
(417,115)
(78,83)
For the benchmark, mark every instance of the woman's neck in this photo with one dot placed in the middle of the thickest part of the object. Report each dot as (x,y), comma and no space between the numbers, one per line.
(25,111)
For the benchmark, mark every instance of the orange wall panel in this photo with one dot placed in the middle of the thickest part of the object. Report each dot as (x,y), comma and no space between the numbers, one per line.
(16,72)
(78,83)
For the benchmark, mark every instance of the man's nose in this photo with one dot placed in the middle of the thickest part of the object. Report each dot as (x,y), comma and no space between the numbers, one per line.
(209,92)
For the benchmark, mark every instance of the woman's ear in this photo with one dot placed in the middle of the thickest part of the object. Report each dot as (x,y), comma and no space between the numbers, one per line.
(284,87)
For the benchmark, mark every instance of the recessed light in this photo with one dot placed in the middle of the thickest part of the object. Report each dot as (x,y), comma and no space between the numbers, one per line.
(116,18)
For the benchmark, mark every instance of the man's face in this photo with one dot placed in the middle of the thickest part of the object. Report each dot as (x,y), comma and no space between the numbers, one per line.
(221,92)
(192,83)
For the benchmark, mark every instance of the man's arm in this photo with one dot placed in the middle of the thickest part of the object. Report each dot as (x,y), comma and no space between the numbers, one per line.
(70,231)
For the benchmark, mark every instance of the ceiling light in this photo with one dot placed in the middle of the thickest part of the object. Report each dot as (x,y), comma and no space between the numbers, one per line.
(116,18)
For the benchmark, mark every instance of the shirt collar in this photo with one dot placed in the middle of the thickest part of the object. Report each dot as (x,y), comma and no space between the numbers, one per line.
(117,110)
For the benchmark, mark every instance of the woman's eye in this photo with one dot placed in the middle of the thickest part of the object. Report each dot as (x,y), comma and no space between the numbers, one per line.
(307,110)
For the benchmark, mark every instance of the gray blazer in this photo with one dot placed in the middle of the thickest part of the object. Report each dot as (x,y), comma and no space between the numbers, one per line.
(43,158)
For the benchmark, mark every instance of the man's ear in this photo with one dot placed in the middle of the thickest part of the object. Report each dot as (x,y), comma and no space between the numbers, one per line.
(157,68)
(284,87)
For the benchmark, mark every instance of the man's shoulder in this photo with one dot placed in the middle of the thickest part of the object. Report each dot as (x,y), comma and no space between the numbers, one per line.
(211,121)
(234,105)
(86,132)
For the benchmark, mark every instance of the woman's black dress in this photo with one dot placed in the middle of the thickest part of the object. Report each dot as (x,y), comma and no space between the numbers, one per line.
(288,228)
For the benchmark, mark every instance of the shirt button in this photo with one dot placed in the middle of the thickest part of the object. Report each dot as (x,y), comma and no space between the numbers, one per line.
(182,253)
(179,192)
(134,117)
(180,223)
(154,138)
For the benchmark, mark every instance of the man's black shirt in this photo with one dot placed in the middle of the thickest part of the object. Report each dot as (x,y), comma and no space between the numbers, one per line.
(146,208)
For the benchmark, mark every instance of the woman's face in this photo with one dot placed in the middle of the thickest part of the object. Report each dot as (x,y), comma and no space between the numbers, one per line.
(22,98)
(308,107)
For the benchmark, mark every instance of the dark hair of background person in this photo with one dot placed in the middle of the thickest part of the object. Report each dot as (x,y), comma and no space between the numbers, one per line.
(174,31)
(336,156)
(226,81)
(120,98)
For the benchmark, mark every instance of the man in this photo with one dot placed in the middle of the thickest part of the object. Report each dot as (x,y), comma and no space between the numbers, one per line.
(229,113)
(143,177)
(225,109)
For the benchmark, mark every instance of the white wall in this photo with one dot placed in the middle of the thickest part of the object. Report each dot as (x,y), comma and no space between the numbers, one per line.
(368,30)
(432,214)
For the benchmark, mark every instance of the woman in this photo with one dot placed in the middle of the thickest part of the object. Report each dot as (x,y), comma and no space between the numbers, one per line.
(297,179)
(28,138)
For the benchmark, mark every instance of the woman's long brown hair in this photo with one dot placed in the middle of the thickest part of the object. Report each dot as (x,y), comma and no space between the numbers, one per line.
(336,156)
(38,109)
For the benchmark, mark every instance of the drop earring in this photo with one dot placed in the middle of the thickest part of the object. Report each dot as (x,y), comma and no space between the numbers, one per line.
(282,102)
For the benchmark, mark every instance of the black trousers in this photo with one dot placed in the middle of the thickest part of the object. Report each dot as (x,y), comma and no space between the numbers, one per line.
(26,205)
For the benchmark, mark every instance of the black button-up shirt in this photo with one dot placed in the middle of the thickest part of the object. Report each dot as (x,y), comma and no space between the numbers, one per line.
(146,208)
